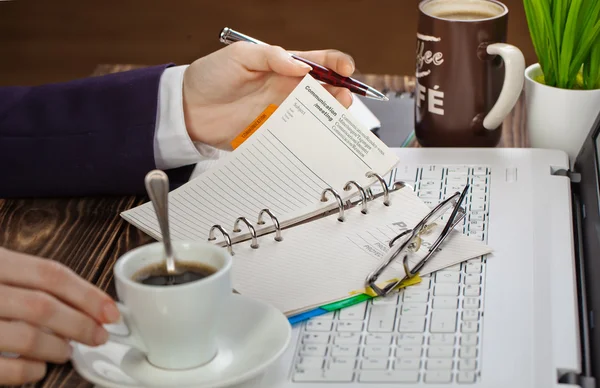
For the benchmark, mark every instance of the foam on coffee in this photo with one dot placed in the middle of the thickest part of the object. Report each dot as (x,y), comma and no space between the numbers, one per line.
(463,9)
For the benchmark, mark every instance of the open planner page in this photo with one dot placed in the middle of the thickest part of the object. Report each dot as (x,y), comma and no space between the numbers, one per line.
(309,143)
(325,260)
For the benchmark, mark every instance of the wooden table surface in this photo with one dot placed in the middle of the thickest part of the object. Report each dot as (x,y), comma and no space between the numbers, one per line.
(88,235)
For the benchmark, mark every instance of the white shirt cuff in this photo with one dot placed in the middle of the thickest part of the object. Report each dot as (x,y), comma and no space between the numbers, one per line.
(173,147)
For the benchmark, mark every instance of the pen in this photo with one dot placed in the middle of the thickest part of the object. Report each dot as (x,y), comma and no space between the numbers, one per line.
(319,72)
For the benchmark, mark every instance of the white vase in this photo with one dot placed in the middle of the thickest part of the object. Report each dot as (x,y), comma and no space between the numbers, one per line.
(558,118)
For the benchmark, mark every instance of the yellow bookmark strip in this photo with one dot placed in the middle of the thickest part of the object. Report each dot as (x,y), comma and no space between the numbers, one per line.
(250,129)
(405,283)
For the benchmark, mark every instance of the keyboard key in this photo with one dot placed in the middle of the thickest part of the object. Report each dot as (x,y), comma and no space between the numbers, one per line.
(315,338)
(476,226)
(411,324)
(392,376)
(440,352)
(458,170)
(467,364)
(319,325)
(479,171)
(478,235)
(447,277)
(445,302)
(472,278)
(431,172)
(466,377)
(477,216)
(468,339)
(406,351)
(374,363)
(407,364)
(415,295)
(382,318)
(472,290)
(469,327)
(376,351)
(342,363)
(446,290)
(438,377)
(311,362)
(470,315)
(315,375)
(410,339)
(477,205)
(413,309)
(356,312)
(354,326)
(423,285)
(313,350)
(378,339)
(439,364)
(430,202)
(346,339)
(431,194)
(405,173)
(468,352)
(324,317)
(471,303)
(441,339)
(443,321)
(473,267)
(344,351)
(456,180)
(389,299)
(430,184)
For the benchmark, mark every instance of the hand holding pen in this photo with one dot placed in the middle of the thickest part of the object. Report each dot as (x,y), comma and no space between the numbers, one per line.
(320,73)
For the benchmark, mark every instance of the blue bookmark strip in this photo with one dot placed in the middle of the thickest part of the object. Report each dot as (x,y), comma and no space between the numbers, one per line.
(307,315)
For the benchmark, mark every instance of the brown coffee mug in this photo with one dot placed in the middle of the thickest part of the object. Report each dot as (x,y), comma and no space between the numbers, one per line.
(468,78)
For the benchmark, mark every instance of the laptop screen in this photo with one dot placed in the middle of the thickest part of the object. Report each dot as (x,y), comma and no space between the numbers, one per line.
(586,200)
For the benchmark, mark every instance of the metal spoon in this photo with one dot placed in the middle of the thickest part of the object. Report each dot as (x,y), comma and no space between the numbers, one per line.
(157,186)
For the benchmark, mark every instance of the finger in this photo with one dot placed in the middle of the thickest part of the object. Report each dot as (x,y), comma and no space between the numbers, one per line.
(343,95)
(32,343)
(50,276)
(18,371)
(335,60)
(44,310)
(255,57)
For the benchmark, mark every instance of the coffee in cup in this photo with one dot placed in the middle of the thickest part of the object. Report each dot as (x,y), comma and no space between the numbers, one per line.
(157,274)
(173,322)
(468,78)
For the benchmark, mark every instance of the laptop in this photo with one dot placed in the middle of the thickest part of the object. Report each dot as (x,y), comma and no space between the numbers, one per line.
(522,316)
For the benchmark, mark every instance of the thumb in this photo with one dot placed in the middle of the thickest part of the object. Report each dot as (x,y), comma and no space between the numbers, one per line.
(256,57)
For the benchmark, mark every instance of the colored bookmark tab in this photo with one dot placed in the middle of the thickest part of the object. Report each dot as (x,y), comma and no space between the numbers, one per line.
(250,129)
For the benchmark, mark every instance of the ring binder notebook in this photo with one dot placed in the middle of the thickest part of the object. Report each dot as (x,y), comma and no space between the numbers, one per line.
(263,262)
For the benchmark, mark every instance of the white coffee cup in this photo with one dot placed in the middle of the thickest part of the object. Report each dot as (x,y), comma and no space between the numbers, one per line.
(174,326)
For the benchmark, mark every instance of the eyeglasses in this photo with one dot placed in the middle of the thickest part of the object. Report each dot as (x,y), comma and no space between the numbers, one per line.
(412,243)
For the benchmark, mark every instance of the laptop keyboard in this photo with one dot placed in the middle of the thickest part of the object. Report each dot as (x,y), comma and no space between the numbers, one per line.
(427,333)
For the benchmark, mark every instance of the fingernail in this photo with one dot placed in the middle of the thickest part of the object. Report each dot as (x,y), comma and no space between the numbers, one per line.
(111,312)
(101,336)
(301,64)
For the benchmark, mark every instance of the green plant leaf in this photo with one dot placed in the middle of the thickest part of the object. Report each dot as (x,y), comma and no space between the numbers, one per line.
(588,40)
(568,45)
(591,67)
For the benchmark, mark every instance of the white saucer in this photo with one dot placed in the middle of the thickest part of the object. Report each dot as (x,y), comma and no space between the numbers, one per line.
(252,336)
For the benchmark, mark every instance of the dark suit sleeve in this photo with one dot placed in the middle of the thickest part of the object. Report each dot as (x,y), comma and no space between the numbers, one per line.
(93,136)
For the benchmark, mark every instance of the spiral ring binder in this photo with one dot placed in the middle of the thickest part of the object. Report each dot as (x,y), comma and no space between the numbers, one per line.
(386,192)
(338,199)
(366,195)
(211,236)
(236,229)
(413,242)
(273,219)
(363,194)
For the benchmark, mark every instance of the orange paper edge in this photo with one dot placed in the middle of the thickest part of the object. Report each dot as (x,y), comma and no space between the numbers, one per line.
(250,129)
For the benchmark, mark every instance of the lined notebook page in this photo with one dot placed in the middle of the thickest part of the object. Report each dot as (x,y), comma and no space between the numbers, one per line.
(324,260)
(308,144)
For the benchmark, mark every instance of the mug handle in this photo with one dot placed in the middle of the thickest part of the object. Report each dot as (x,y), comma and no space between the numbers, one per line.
(131,339)
(514,77)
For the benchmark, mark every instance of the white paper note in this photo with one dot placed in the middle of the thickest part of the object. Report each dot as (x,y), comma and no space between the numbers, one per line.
(310,143)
